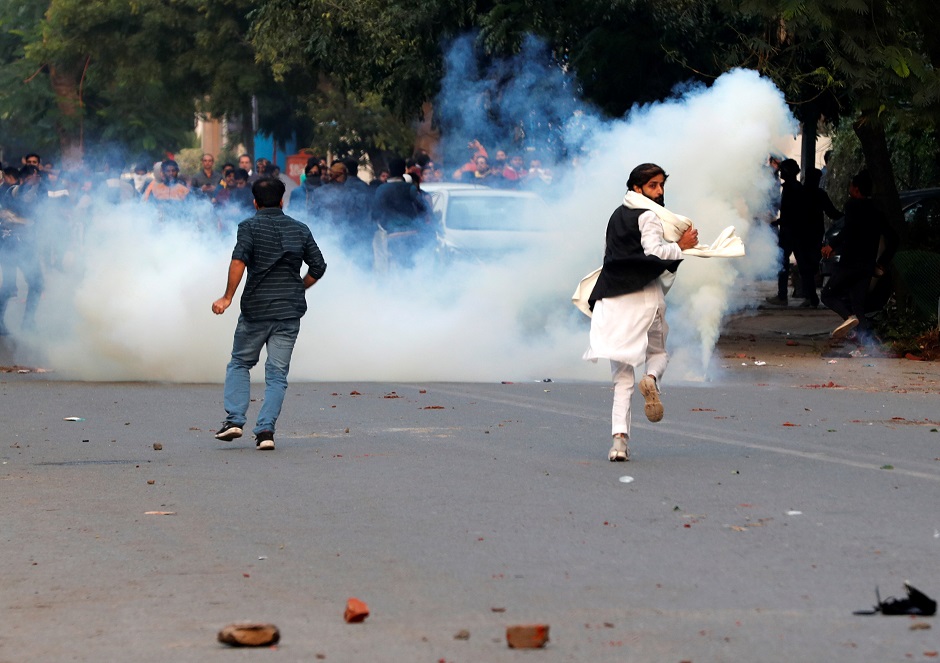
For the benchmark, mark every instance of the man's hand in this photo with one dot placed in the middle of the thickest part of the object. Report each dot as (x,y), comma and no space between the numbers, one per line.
(689,239)
(826,251)
(219,305)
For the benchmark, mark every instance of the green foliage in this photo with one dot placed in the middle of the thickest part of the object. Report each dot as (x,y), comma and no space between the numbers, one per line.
(392,49)
(903,327)
(346,126)
(915,157)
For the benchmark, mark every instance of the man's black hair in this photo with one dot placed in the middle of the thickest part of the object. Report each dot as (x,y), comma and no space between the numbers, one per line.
(788,169)
(241,174)
(12,172)
(396,167)
(862,181)
(352,167)
(643,173)
(268,192)
(169,163)
(28,170)
(813,178)
(33,154)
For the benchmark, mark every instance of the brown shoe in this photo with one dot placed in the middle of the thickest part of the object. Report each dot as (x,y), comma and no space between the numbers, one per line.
(654,406)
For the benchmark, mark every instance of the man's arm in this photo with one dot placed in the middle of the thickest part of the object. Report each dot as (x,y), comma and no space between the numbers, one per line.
(654,244)
(235,272)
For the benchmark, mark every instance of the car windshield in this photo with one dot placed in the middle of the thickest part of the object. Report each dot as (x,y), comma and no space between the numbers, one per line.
(495,213)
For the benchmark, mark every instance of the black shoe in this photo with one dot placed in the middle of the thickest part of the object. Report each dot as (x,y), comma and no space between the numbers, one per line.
(264,441)
(229,432)
(776,301)
(808,304)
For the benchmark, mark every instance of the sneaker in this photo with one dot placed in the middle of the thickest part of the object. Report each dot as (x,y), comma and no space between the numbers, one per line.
(620,452)
(843,330)
(229,432)
(776,301)
(808,304)
(654,407)
(264,441)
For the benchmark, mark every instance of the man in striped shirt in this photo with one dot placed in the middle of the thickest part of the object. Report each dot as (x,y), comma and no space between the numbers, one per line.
(272,247)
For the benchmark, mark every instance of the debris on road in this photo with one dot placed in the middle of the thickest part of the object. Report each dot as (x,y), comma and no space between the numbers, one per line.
(74,419)
(157,446)
(356,611)
(462,634)
(159,513)
(917,603)
(626,479)
(527,636)
(249,635)
(150,482)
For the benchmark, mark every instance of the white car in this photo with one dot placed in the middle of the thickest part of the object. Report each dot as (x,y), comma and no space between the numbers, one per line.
(480,223)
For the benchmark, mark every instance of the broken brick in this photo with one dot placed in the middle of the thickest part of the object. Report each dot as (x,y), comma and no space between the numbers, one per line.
(249,635)
(356,611)
(527,636)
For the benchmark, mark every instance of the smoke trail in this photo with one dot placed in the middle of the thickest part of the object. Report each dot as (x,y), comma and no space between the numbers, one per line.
(135,302)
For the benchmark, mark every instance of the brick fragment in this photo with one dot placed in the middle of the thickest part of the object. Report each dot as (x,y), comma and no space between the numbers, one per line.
(356,611)
(527,636)
(249,635)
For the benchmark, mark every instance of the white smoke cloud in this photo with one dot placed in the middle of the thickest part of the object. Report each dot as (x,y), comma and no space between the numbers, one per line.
(135,302)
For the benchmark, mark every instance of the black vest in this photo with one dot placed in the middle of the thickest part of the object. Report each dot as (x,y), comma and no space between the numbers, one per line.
(626,267)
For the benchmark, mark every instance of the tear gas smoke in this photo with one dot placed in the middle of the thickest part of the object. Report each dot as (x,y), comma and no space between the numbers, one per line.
(132,300)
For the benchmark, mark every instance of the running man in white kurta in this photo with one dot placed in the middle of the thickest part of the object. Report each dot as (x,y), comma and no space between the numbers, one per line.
(628,325)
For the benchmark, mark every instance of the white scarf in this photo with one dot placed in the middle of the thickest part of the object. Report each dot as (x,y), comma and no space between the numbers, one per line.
(728,245)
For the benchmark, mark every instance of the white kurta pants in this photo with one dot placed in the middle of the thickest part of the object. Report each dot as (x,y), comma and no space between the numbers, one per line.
(630,330)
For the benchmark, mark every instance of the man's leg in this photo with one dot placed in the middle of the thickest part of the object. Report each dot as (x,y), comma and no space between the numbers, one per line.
(8,265)
(280,345)
(857,294)
(807,263)
(624,378)
(656,361)
(783,276)
(32,273)
(246,349)
(835,293)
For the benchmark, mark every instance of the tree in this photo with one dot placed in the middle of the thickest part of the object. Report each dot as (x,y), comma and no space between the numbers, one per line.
(874,60)
(131,74)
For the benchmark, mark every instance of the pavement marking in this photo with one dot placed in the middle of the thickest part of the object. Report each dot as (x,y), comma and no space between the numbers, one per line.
(593,413)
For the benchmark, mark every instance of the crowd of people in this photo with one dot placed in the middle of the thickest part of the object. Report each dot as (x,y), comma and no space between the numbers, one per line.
(383,221)
(865,246)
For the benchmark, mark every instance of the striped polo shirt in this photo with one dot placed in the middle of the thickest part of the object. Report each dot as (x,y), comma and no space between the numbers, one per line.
(274,247)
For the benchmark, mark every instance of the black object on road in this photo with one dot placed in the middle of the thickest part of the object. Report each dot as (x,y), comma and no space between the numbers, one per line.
(916,603)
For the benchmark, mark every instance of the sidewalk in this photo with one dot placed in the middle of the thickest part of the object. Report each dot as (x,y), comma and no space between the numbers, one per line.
(774,323)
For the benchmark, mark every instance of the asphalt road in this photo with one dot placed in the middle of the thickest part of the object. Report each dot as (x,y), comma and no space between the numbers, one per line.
(450,507)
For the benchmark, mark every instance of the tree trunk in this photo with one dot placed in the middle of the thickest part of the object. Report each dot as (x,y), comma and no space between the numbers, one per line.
(810,134)
(871,135)
(65,82)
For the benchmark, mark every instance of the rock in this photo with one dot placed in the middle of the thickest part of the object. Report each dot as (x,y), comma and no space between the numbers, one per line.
(527,636)
(150,482)
(157,446)
(462,634)
(249,635)
(356,611)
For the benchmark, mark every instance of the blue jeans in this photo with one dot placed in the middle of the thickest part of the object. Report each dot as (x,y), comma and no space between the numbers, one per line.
(250,337)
